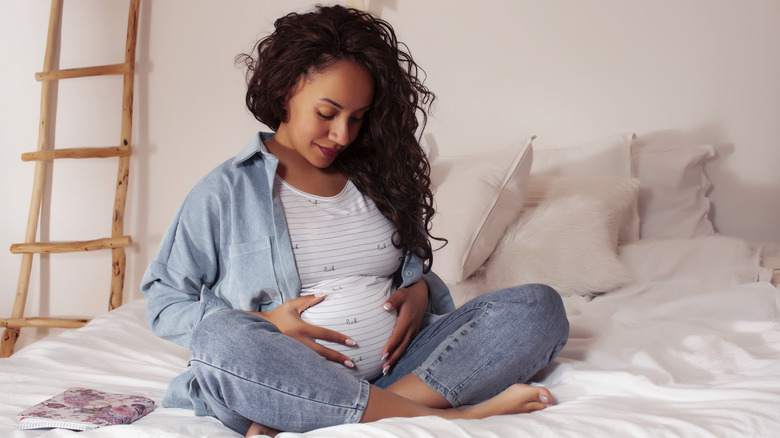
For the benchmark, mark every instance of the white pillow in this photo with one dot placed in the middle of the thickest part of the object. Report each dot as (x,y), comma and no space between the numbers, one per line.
(673,201)
(608,157)
(568,242)
(476,199)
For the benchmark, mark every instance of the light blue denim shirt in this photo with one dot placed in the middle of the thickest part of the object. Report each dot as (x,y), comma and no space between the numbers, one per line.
(228,247)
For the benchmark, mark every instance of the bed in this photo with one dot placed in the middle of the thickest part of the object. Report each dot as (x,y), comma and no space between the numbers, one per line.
(674,328)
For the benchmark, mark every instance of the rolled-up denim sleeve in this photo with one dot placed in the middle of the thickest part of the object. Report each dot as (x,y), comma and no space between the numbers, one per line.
(174,310)
(439,298)
(177,284)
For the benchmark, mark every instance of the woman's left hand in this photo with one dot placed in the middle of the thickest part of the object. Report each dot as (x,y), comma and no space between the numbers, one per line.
(410,302)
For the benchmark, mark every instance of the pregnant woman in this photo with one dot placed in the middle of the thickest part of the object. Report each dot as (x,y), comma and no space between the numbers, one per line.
(298,273)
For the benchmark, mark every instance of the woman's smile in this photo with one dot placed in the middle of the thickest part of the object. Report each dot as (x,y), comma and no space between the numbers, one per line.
(329,153)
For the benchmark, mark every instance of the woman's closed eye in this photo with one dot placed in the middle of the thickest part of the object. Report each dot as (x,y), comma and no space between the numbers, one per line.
(355,119)
(324,116)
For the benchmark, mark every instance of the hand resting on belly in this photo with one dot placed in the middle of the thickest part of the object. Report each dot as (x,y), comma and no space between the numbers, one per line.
(353,307)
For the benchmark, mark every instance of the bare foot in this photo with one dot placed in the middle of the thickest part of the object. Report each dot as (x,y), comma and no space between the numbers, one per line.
(517,399)
(259,429)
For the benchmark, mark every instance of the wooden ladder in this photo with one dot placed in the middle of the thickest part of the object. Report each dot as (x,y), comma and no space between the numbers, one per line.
(46,153)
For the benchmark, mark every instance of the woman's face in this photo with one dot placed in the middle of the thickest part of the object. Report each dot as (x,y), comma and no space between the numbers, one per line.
(325,112)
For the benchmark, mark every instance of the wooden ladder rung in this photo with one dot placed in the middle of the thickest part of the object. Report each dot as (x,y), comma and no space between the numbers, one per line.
(43,322)
(98,70)
(75,246)
(52,154)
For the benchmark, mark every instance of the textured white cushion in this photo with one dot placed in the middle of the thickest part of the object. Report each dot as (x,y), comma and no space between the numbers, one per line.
(673,201)
(476,200)
(620,194)
(568,241)
(608,157)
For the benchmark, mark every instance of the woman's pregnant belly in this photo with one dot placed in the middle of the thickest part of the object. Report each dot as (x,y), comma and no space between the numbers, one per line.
(353,307)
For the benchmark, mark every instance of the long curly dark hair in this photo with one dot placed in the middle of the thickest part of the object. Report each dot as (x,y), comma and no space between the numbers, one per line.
(385,161)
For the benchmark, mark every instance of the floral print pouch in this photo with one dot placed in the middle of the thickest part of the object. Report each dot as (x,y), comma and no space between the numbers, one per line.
(82,409)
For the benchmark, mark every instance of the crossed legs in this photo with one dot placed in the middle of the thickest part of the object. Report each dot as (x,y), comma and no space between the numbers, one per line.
(470,364)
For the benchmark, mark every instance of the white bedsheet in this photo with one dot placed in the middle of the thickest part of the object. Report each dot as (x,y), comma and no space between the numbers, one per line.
(691,348)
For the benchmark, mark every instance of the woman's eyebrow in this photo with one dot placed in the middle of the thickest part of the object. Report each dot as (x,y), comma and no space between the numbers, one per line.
(338,105)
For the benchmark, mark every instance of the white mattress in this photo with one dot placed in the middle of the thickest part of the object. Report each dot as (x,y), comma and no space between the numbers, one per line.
(691,348)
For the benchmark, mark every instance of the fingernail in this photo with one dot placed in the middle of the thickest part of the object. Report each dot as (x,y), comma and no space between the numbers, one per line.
(385,370)
(385,356)
(349,364)
(319,294)
(544,399)
(350,342)
(388,306)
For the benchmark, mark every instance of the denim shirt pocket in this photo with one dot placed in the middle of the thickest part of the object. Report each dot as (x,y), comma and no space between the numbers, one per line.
(250,274)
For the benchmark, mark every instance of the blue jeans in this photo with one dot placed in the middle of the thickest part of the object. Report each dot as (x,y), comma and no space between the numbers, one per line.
(249,371)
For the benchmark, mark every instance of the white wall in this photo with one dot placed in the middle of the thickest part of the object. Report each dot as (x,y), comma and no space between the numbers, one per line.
(565,70)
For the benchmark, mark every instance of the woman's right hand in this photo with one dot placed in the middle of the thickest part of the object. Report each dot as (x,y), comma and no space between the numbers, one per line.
(287,318)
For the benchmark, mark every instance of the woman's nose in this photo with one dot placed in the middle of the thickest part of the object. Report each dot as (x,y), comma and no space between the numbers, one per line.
(339,133)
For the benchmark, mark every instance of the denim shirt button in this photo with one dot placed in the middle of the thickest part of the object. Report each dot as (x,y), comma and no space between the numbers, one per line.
(409,273)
